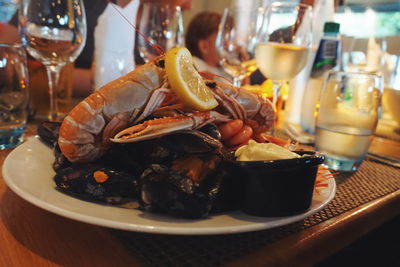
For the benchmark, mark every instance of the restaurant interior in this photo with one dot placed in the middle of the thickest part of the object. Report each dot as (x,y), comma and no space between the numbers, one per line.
(199,133)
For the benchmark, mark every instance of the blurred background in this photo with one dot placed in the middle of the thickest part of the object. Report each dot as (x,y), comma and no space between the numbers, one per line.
(358,18)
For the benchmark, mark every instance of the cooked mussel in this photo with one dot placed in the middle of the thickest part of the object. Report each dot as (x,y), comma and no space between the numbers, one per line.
(212,130)
(165,149)
(186,189)
(230,193)
(60,161)
(142,153)
(191,142)
(97,183)
(48,132)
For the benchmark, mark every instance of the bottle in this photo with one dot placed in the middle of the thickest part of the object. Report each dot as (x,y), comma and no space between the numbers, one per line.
(327,58)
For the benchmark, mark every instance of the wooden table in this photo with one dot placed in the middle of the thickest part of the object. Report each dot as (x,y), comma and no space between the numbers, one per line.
(30,236)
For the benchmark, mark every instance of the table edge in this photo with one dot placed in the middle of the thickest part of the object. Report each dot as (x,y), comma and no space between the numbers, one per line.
(310,246)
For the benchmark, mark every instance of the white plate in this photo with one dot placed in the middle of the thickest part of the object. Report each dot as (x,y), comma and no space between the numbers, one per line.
(28,172)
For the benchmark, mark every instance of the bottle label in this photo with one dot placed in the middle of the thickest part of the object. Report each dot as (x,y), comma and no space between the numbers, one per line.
(326,57)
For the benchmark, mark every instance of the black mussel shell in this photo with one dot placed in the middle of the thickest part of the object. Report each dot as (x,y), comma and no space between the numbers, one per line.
(126,158)
(48,132)
(212,130)
(143,153)
(60,161)
(230,192)
(190,142)
(168,191)
(96,183)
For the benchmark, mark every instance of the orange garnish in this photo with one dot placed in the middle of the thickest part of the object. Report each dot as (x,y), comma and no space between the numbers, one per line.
(100,176)
(323,175)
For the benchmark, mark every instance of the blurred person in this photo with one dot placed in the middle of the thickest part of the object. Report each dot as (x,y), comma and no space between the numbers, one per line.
(114,39)
(200,40)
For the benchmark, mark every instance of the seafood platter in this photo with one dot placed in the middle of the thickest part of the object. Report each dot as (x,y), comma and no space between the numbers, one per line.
(167,140)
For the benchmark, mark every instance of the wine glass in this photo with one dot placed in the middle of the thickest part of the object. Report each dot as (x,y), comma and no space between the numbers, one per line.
(366,54)
(236,41)
(54,33)
(284,42)
(160,25)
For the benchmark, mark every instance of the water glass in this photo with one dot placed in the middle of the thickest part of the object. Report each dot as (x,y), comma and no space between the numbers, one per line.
(347,118)
(54,33)
(14,95)
(161,27)
(365,54)
(236,41)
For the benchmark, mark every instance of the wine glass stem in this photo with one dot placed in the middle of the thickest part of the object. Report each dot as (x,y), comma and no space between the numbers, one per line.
(53,73)
(237,81)
(276,91)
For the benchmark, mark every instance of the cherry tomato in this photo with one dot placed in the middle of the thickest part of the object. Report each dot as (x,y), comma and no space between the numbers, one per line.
(230,128)
(275,140)
(241,137)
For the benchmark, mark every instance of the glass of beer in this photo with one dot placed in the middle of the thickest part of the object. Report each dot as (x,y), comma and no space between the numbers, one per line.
(347,118)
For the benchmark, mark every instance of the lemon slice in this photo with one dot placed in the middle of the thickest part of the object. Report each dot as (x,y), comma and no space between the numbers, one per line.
(186,82)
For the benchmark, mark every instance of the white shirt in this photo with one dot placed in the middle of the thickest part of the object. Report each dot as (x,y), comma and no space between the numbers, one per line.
(114,40)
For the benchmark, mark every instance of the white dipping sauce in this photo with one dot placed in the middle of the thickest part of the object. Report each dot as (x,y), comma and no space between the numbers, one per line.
(254,151)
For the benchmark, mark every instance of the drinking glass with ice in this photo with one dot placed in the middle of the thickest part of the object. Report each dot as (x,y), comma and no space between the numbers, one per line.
(348,114)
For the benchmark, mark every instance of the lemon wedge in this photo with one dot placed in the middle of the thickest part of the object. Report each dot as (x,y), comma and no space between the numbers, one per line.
(186,82)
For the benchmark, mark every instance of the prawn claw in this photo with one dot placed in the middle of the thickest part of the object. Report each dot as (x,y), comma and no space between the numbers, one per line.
(162,126)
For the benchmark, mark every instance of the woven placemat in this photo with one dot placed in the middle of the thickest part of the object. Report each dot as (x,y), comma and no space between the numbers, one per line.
(373,180)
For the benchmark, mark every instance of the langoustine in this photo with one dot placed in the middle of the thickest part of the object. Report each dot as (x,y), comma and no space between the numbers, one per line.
(86,132)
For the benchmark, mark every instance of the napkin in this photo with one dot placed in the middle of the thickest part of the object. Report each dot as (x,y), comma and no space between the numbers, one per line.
(114,40)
